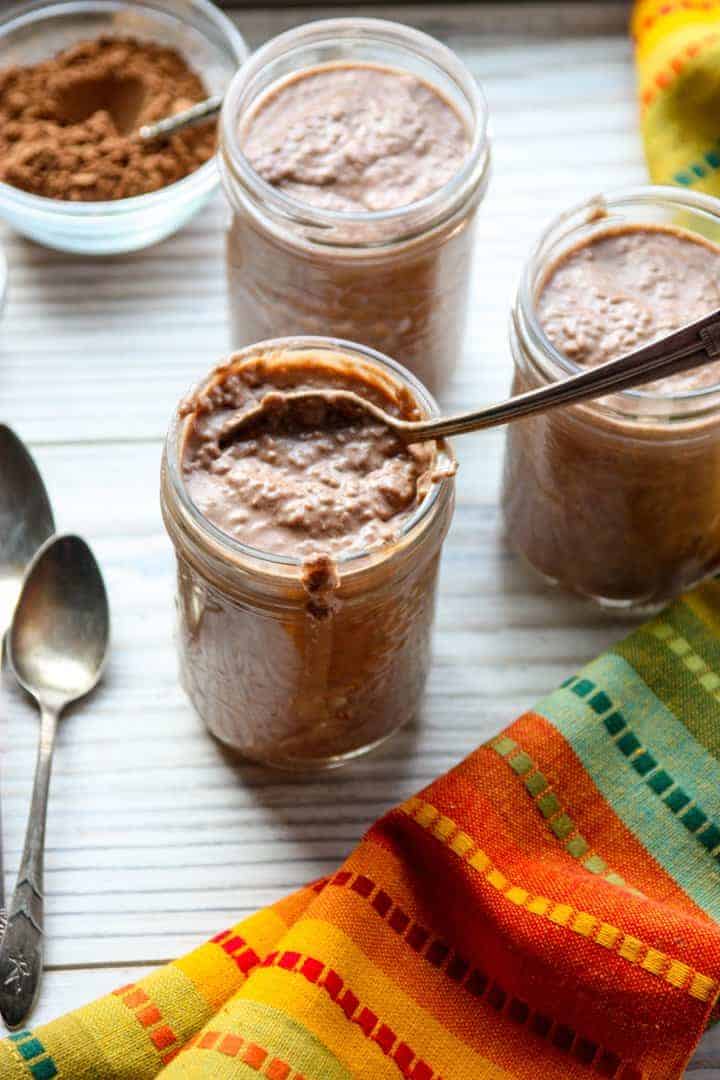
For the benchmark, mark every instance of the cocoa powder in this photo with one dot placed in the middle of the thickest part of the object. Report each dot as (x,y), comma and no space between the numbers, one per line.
(68,124)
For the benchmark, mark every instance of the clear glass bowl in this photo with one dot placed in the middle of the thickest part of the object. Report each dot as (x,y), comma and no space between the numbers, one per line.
(36,30)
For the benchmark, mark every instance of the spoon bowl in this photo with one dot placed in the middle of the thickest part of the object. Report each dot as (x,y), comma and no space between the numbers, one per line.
(57,647)
(26,519)
(58,642)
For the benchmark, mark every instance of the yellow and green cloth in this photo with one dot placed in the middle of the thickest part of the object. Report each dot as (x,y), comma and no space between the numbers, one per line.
(550,908)
(677,44)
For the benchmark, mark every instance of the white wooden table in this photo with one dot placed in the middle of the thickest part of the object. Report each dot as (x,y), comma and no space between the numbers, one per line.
(157,838)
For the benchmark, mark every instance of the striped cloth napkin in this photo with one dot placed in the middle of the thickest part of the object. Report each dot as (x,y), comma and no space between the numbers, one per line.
(677,45)
(549,909)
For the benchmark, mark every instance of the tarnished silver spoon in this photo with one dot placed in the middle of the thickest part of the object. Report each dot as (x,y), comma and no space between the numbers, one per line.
(26,522)
(57,647)
(692,346)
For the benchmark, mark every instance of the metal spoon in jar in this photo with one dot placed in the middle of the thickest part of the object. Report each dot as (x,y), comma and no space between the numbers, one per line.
(692,346)
(26,522)
(57,647)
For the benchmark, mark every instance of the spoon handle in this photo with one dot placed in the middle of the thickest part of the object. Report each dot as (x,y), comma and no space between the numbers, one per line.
(171,124)
(690,347)
(21,949)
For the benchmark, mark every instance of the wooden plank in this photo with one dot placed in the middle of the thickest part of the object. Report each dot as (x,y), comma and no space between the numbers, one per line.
(706,1061)
(75,988)
(577,18)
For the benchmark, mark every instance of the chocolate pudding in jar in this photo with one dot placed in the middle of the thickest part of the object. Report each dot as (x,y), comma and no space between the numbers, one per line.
(308,542)
(618,499)
(354,154)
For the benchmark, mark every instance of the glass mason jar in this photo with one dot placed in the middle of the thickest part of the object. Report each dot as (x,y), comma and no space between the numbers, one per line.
(618,499)
(395,280)
(268,676)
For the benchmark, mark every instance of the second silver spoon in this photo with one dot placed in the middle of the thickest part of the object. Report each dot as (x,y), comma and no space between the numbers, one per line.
(26,522)
(57,647)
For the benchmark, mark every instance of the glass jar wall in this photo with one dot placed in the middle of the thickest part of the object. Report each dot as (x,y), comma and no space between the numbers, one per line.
(274,675)
(396,280)
(615,499)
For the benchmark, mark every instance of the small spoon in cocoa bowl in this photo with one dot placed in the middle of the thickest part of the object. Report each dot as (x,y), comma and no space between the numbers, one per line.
(692,346)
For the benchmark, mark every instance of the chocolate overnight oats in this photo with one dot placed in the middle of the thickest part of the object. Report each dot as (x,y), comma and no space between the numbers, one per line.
(354,136)
(303,479)
(618,499)
(626,287)
(308,544)
(354,182)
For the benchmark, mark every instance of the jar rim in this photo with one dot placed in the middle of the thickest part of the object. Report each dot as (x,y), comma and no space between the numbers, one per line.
(245,553)
(526,319)
(430,208)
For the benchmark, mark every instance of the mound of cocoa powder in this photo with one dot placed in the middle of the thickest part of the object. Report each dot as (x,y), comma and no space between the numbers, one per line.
(68,124)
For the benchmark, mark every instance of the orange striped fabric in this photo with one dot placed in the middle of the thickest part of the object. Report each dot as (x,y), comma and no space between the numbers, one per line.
(548,908)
